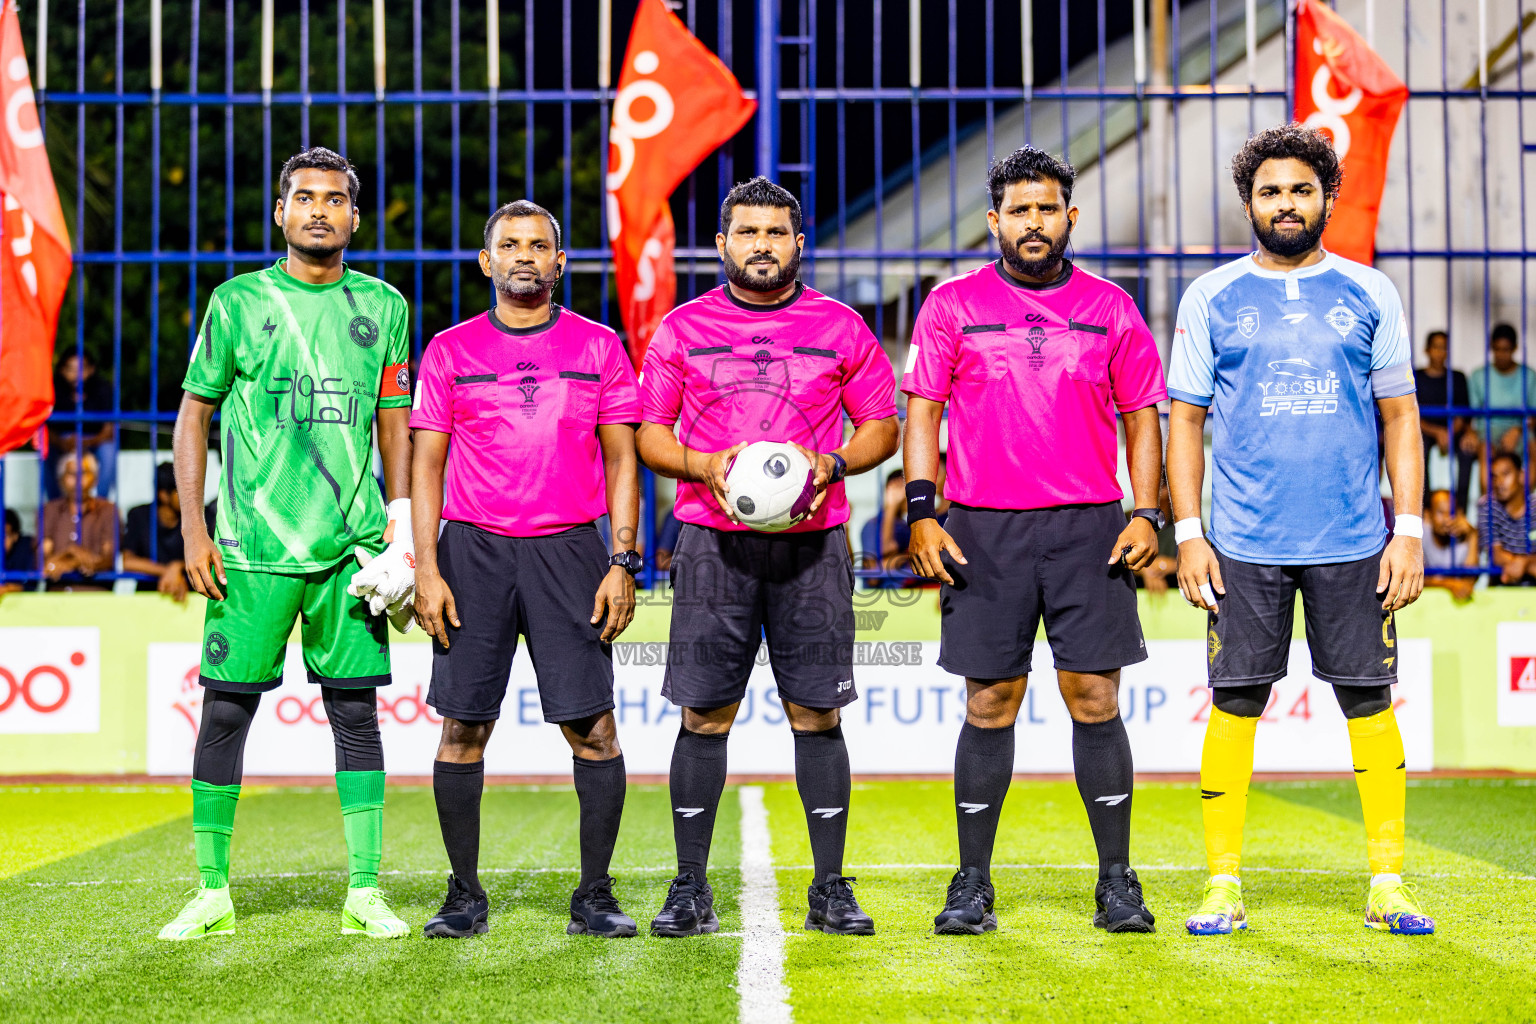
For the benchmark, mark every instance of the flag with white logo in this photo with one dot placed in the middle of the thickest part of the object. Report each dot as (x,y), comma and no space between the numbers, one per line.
(676,104)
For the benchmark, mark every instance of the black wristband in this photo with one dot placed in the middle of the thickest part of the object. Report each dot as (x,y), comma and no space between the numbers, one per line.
(922,499)
(839,469)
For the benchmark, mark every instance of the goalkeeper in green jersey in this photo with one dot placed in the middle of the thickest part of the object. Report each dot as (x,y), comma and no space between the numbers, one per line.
(298,359)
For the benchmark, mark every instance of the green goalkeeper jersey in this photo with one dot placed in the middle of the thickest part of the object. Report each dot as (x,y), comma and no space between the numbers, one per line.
(299,370)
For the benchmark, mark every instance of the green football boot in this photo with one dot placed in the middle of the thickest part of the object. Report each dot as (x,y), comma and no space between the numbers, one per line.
(367,913)
(209,913)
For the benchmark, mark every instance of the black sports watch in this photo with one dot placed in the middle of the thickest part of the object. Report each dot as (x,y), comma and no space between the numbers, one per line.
(629,561)
(1152,515)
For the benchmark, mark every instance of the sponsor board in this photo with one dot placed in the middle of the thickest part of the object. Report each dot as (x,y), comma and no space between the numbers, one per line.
(50,679)
(906,719)
(1515,676)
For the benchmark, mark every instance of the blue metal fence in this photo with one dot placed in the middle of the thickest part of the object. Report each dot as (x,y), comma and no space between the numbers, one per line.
(174,114)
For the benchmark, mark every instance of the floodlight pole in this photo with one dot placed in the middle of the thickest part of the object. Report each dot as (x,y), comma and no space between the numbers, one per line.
(768,89)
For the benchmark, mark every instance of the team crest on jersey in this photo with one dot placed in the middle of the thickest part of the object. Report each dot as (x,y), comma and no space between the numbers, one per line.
(1248,321)
(216,648)
(1341,318)
(1212,646)
(403,380)
(762,358)
(364,331)
(1037,339)
(528,386)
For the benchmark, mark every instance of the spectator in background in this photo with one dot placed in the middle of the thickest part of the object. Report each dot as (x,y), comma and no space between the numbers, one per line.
(100,439)
(1502,520)
(20,552)
(1449,543)
(666,541)
(885,536)
(163,559)
(1450,436)
(78,541)
(1502,384)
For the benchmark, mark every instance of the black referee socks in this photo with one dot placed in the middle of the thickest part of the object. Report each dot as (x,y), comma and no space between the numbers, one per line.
(698,778)
(457,788)
(822,776)
(600,789)
(983,769)
(1101,755)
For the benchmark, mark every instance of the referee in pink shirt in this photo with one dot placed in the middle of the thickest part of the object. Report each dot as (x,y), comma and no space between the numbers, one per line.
(762,358)
(1034,358)
(532,410)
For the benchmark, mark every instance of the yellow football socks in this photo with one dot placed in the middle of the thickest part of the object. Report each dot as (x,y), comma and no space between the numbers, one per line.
(1226,766)
(1377,748)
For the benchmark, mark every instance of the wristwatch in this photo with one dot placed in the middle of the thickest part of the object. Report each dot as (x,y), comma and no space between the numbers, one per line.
(1152,515)
(629,561)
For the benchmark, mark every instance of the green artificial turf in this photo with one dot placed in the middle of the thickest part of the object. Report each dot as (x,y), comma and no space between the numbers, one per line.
(1306,955)
(101,869)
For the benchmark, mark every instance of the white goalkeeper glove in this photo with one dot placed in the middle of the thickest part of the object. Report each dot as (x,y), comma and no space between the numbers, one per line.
(388,582)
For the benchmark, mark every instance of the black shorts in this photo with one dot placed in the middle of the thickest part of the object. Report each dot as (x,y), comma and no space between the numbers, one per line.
(730,589)
(1353,642)
(541,587)
(1025,565)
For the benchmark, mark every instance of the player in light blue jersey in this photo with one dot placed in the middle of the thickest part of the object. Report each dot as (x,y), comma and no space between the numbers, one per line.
(1296,350)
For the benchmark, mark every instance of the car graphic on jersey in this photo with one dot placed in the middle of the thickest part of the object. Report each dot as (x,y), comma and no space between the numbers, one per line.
(1299,389)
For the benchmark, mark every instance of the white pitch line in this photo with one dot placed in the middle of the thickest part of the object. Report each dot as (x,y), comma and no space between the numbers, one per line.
(760,974)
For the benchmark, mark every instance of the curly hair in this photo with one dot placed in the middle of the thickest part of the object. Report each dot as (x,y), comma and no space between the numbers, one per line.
(320,159)
(1029,164)
(1291,141)
(759,191)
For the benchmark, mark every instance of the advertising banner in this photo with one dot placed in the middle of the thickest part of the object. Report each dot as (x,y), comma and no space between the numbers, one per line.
(1516,674)
(50,679)
(906,719)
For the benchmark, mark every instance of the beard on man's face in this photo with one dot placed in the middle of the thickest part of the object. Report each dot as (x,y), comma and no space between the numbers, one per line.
(318,247)
(1041,267)
(513,287)
(1298,237)
(742,276)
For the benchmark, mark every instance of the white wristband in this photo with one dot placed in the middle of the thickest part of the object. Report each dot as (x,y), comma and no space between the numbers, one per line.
(1409,526)
(1187,529)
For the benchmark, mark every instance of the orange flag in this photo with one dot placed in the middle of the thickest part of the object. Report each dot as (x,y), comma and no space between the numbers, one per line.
(1346,89)
(676,104)
(34,249)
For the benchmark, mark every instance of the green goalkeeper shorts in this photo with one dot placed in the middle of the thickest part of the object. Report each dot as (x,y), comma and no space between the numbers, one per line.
(245,636)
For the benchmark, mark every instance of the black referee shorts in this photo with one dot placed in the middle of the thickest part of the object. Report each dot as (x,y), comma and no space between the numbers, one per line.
(541,587)
(731,589)
(1025,565)
(1353,642)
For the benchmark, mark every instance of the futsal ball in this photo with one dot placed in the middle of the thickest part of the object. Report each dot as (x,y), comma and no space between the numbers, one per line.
(770,486)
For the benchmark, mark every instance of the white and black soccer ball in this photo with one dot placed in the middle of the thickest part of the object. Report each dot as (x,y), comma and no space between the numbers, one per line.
(770,486)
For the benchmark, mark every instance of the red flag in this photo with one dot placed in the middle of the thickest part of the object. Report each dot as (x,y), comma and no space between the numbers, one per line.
(1346,89)
(676,104)
(34,249)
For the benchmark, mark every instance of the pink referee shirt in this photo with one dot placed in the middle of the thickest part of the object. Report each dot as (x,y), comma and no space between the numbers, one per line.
(725,371)
(522,406)
(1033,377)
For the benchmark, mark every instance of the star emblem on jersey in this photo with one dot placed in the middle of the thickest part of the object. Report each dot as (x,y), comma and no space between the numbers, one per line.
(216,648)
(1248,321)
(364,332)
(1037,339)
(1341,318)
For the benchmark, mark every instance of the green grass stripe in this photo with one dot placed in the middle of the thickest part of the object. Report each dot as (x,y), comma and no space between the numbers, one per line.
(46,823)
(1307,955)
(89,953)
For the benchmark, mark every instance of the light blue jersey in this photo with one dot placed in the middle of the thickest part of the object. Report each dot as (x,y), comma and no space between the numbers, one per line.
(1292,364)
